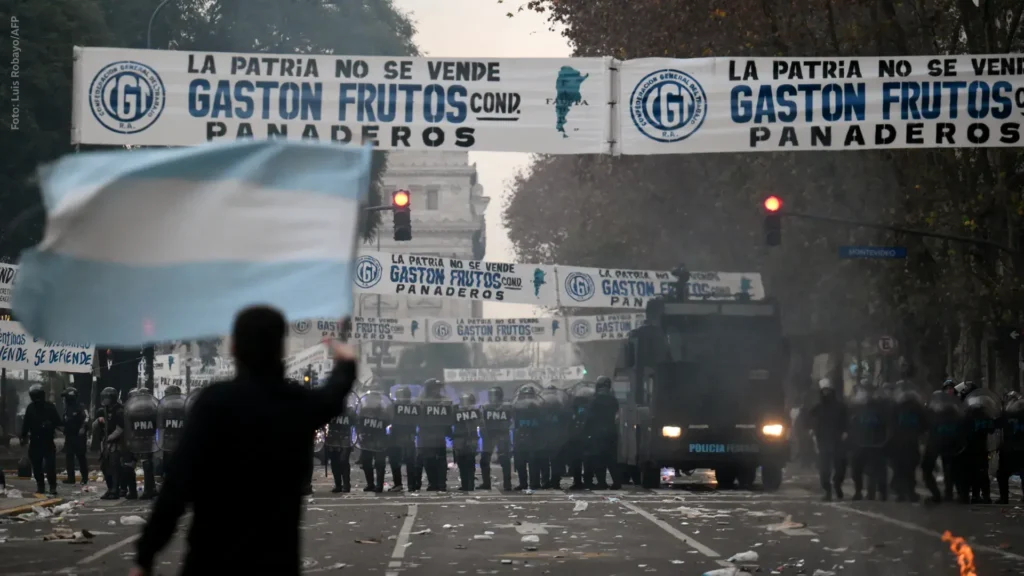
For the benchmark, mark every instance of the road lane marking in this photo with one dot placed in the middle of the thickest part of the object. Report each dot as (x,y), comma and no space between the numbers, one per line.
(109,549)
(402,542)
(672,531)
(353,503)
(922,530)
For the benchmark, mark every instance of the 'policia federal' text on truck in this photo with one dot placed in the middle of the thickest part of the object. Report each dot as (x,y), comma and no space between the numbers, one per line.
(704,389)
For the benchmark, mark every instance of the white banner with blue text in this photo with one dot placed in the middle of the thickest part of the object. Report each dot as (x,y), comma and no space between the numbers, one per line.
(8,273)
(19,350)
(632,289)
(675,106)
(172,98)
(532,373)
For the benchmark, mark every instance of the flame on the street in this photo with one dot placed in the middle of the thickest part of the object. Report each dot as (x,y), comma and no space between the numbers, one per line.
(964,554)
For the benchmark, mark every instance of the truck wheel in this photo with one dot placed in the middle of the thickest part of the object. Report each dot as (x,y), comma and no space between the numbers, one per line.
(771,477)
(650,476)
(745,477)
(725,476)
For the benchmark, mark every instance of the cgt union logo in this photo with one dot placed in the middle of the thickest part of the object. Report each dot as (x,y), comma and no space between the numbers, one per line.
(668,105)
(579,286)
(126,97)
(441,330)
(368,272)
(580,328)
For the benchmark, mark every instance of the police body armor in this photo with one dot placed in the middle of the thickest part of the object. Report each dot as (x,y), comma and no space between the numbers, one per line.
(339,429)
(170,419)
(946,420)
(580,397)
(983,411)
(528,416)
(468,421)
(140,422)
(497,423)
(869,419)
(555,404)
(437,416)
(373,417)
(1013,426)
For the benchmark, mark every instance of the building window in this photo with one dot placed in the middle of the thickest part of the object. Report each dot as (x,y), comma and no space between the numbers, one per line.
(432,197)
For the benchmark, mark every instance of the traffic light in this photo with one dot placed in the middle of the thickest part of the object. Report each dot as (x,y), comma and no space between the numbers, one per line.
(772,221)
(402,216)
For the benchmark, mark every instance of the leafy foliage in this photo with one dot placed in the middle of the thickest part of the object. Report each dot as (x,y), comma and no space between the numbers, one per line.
(654,212)
(51,28)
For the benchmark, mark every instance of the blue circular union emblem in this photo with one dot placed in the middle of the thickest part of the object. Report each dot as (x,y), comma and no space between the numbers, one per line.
(668,105)
(302,326)
(580,328)
(442,330)
(127,97)
(368,272)
(579,286)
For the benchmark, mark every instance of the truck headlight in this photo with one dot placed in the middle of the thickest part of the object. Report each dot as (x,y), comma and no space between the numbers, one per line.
(772,430)
(671,431)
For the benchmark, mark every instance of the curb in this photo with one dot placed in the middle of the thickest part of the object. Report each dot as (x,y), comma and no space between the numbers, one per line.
(29,507)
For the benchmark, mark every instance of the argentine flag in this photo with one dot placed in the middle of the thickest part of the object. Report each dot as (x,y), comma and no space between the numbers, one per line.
(148,246)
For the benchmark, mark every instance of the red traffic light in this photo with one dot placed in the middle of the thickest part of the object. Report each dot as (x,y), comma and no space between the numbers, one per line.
(400,198)
(772,204)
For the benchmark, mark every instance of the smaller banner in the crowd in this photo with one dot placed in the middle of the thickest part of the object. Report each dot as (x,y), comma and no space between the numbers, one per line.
(21,351)
(670,106)
(296,364)
(411,275)
(533,373)
(167,366)
(496,330)
(632,289)
(194,381)
(607,327)
(8,273)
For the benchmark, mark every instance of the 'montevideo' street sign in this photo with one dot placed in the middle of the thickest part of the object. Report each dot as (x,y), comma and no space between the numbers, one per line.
(873,252)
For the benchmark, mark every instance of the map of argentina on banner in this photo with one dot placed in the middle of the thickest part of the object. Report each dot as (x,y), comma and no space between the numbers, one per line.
(607,327)
(172,98)
(21,351)
(410,275)
(631,289)
(489,330)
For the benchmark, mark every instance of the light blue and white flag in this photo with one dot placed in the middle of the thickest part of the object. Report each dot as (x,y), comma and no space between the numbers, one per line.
(155,245)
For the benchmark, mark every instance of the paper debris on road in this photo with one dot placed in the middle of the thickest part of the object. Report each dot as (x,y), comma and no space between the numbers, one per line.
(337,566)
(823,573)
(420,532)
(579,507)
(731,571)
(483,537)
(531,539)
(41,512)
(12,493)
(368,541)
(132,521)
(748,556)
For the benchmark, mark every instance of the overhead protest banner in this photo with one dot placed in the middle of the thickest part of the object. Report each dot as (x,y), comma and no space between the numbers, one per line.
(673,106)
(411,275)
(615,288)
(173,98)
(606,327)
(8,273)
(19,350)
(532,373)
(495,330)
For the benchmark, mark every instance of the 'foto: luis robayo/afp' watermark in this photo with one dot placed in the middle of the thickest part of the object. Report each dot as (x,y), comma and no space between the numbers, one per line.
(15,74)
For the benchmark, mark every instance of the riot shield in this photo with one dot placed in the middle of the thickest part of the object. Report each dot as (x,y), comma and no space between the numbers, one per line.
(869,419)
(580,396)
(468,421)
(140,422)
(339,430)
(983,410)
(373,417)
(1013,425)
(527,420)
(947,418)
(190,400)
(170,419)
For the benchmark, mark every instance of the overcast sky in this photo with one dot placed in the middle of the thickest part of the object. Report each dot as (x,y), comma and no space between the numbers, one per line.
(482,29)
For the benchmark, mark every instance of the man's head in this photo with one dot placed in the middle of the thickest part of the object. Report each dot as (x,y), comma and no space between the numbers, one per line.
(257,340)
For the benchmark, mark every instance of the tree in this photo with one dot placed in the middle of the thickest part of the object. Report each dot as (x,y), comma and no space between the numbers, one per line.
(51,28)
(422,361)
(651,212)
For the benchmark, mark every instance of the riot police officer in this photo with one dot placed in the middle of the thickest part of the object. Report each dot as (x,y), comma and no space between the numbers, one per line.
(828,420)
(402,449)
(946,439)
(373,418)
(582,474)
(908,425)
(466,440)
(436,420)
(869,436)
(555,432)
(497,421)
(76,426)
(983,411)
(527,416)
(170,423)
(38,430)
(339,447)
(140,442)
(112,425)
(1011,450)
(601,428)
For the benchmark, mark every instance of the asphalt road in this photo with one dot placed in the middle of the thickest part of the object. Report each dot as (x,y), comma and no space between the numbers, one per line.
(682,530)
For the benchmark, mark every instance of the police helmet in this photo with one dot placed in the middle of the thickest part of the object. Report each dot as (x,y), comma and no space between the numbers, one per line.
(603,384)
(948,384)
(496,394)
(527,392)
(825,384)
(172,390)
(36,393)
(432,388)
(70,395)
(1012,396)
(403,394)
(108,396)
(468,399)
